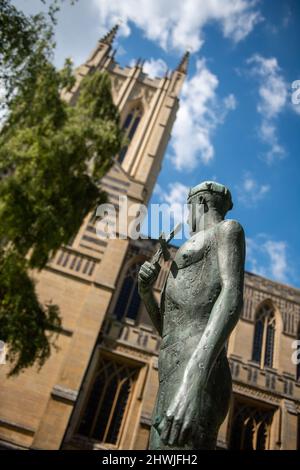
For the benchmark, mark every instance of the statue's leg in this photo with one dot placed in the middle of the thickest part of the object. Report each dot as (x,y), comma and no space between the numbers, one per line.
(213,407)
(154,439)
(205,438)
(154,442)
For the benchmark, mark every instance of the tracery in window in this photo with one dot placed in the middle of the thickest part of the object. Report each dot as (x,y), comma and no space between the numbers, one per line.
(264,336)
(129,128)
(109,398)
(250,428)
(129,300)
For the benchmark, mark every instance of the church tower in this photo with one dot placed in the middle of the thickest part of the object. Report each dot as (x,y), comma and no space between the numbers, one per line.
(37,408)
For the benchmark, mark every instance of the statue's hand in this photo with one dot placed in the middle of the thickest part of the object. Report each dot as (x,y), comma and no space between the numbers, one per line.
(147,276)
(178,423)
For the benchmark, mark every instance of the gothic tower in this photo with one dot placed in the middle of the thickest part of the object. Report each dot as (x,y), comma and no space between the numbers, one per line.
(35,407)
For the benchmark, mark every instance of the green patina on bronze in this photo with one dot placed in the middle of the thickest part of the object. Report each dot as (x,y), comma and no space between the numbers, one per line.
(200,305)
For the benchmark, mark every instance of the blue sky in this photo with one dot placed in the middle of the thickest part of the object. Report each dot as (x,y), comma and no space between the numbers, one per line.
(237,123)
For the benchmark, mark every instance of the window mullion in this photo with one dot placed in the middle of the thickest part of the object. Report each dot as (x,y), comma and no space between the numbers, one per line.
(264,339)
(112,409)
(107,382)
(128,303)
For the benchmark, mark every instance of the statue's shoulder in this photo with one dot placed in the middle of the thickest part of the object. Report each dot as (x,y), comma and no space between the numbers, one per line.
(230,228)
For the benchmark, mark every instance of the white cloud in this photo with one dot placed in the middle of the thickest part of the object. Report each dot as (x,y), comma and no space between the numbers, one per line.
(295,96)
(278,259)
(288,17)
(296,108)
(268,134)
(170,210)
(250,191)
(268,257)
(273,89)
(120,50)
(230,102)
(273,97)
(152,67)
(179,24)
(175,197)
(155,67)
(199,114)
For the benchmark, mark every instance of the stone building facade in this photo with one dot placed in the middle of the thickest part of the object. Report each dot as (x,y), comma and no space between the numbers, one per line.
(98,388)
(265,408)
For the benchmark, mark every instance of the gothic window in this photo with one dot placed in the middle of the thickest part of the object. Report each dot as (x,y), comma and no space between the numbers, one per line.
(250,428)
(129,127)
(264,336)
(108,402)
(129,301)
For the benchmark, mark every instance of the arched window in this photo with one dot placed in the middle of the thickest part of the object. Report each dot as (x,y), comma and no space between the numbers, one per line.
(129,300)
(108,401)
(250,428)
(264,336)
(129,127)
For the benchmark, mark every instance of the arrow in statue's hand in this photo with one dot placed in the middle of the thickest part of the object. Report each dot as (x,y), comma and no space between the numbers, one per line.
(163,249)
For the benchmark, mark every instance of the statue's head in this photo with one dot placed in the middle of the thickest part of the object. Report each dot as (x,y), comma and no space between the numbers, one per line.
(207,196)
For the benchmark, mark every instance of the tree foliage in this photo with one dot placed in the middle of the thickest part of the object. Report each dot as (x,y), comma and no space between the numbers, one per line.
(52,156)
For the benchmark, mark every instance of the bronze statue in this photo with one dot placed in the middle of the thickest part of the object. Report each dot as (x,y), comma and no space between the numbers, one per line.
(200,305)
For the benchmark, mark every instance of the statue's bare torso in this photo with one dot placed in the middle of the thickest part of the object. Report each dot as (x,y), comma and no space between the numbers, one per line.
(192,286)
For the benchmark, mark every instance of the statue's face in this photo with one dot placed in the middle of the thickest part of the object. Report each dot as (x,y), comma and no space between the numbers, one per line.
(197,207)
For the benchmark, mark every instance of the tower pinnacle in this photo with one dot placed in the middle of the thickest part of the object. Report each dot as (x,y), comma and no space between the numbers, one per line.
(110,36)
(183,64)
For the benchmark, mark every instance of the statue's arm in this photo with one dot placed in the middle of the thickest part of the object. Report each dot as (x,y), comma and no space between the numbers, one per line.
(227,308)
(147,276)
